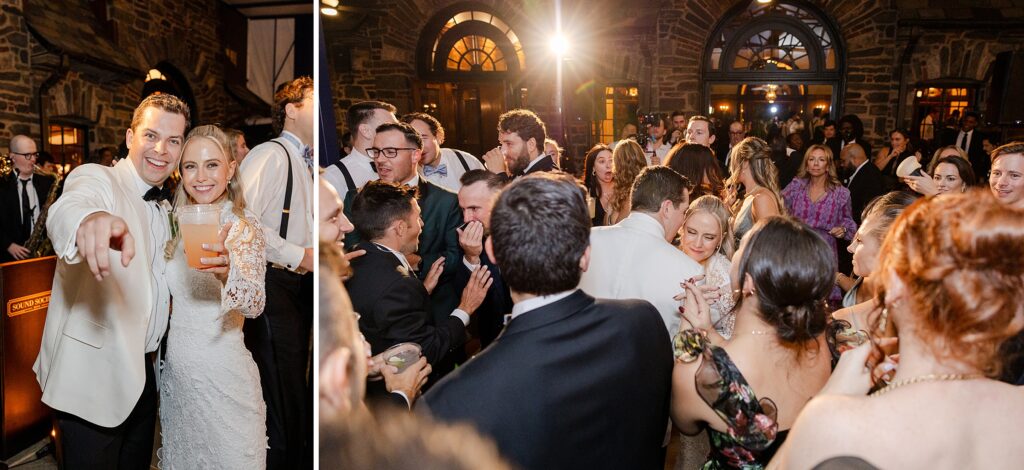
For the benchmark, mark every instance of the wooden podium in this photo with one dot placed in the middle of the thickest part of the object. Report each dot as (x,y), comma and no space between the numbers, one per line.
(24,419)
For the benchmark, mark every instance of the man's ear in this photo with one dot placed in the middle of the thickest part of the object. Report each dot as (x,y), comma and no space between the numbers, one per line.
(489,247)
(290,110)
(711,141)
(417,155)
(531,145)
(585,260)
(128,138)
(335,381)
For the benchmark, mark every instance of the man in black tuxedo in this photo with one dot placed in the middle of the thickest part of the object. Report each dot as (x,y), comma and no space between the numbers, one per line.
(479,189)
(392,302)
(521,134)
(397,149)
(572,381)
(22,196)
(970,141)
(865,181)
(851,131)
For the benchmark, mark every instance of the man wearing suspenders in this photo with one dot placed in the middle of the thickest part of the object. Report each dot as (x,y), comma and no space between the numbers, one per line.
(278,182)
(353,171)
(443,167)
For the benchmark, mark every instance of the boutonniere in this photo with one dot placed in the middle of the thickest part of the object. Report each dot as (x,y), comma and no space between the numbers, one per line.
(166,205)
(172,241)
(402,270)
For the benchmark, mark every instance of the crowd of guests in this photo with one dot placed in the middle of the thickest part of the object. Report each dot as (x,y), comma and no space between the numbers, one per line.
(728,287)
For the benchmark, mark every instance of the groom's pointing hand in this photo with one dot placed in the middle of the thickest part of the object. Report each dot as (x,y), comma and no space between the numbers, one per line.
(100,232)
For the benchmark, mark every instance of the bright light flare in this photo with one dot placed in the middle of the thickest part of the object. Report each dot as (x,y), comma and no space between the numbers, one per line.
(559,45)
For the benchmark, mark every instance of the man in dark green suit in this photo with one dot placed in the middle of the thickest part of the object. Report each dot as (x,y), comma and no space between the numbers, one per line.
(396,152)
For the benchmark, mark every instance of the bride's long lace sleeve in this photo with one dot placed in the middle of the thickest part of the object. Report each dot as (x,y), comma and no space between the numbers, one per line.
(244,290)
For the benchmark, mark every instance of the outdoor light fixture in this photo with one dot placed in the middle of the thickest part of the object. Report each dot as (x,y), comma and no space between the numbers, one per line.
(559,45)
(329,7)
(633,92)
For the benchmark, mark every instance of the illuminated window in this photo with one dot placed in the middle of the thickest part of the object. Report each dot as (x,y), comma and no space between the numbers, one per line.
(67,145)
(155,74)
(772,50)
(775,44)
(475,52)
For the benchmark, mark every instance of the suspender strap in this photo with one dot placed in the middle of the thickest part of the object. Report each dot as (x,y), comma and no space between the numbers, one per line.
(462,159)
(351,183)
(283,231)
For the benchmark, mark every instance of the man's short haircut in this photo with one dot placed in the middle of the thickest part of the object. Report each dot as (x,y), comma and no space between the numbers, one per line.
(292,92)
(676,113)
(972,114)
(656,184)
(436,129)
(494,181)
(829,123)
(1016,147)
(526,124)
(540,227)
(363,111)
(711,125)
(167,103)
(378,205)
(411,136)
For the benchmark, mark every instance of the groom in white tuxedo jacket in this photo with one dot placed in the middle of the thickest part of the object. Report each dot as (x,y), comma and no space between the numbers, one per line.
(109,305)
(634,259)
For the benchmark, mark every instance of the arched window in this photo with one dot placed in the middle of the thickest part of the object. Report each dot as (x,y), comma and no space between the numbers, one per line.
(475,41)
(771,60)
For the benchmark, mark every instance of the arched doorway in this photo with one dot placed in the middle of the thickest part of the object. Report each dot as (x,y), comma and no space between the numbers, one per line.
(766,61)
(470,64)
(165,78)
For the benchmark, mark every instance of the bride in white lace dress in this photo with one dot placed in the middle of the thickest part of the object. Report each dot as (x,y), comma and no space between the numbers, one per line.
(212,413)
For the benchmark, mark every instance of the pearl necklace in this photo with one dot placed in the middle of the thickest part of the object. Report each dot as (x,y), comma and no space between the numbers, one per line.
(924,378)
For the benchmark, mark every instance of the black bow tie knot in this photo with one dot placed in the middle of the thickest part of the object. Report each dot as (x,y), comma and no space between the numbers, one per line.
(158,193)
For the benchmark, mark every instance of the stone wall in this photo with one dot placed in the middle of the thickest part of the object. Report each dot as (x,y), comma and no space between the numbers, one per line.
(182,34)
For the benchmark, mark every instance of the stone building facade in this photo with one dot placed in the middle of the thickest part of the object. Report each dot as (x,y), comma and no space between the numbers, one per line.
(85,64)
(887,50)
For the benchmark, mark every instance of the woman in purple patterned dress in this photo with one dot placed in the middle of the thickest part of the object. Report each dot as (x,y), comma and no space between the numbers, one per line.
(817,198)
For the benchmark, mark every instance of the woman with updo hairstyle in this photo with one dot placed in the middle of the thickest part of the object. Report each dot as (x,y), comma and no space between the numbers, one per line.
(627,161)
(782,274)
(597,177)
(752,189)
(951,277)
(889,158)
(706,237)
(698,164)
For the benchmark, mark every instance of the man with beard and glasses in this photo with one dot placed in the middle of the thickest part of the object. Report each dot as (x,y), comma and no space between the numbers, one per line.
(521,135)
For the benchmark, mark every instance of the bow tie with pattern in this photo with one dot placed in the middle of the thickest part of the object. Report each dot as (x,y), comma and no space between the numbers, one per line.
(307,155)
(158,193)
(441,169)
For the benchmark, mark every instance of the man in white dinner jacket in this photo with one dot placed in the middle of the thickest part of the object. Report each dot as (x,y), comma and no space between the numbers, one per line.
(634,259)
(109,305)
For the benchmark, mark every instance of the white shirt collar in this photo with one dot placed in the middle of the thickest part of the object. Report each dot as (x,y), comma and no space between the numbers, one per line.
(140,184)
(359,155)
(401,257)
(414,182)
(294,139)
(858,169)
(534,162)
(538,302)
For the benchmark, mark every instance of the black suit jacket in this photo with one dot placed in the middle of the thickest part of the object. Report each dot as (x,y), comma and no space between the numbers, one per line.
(835,144)
(489,318)
(393,306)
(441,217)
(579,383)
(866,185)
(10,210)
(544,164)
(980,162)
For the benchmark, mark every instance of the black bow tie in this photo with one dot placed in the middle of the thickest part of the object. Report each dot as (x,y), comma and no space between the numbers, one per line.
(158,193)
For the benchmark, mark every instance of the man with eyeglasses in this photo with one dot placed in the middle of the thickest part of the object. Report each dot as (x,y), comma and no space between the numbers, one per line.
(397,150)
(737,132)
(21,195)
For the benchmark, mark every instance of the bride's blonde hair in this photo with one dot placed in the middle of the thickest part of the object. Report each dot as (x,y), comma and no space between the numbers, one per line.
(234,190)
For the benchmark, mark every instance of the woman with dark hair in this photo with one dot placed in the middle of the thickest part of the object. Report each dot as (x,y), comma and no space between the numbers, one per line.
(860,300)
(698,164)
(817,198)
(950,277)
(627,162)
(949,172)
(597,177)
(783,272)
(751,166)
(889,158)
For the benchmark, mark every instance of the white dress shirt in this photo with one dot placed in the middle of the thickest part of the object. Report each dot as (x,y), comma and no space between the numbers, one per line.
(158,235)
(454,167)
(534,303)
(264,177)
(33,198)
(960,140)
(358,165)
(632,260)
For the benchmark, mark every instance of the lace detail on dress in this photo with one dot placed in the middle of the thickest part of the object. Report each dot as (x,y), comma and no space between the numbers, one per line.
(244,291)
(751,423)
(717,275)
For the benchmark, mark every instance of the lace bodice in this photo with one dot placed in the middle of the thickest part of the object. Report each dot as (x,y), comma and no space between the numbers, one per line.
(716,274)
